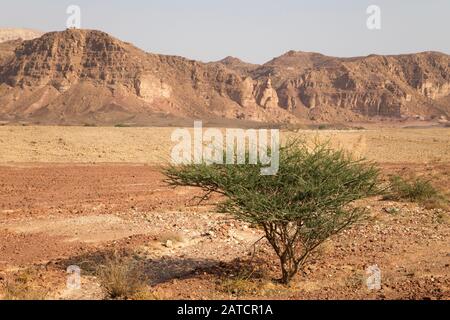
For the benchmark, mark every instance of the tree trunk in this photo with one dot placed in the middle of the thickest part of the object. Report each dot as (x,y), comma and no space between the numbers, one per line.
(288,270)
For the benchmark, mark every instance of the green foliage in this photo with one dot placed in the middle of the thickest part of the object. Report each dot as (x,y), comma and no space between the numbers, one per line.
(416,189)
(308,201)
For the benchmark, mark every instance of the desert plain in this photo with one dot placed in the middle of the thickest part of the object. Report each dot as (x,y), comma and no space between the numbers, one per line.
(72,196)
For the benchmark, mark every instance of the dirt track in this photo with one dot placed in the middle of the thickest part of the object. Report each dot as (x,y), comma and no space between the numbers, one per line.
(56,215)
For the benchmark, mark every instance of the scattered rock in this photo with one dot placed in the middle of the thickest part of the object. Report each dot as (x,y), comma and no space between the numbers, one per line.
(169,244)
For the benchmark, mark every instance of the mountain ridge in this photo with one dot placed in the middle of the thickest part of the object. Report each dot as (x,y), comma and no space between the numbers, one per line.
(10,34)
(88,76)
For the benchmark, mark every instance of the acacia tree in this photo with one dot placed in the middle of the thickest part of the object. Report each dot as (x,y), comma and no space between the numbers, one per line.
(310,198)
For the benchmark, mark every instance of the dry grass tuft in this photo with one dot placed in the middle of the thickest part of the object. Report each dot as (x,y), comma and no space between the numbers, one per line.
(239,286)
(121,278)
(22,286)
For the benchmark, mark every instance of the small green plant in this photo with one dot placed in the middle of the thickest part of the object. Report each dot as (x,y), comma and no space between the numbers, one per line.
(416,190)
(310,199)
(121,278)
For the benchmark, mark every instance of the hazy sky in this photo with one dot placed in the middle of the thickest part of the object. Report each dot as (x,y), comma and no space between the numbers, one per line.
(253,30)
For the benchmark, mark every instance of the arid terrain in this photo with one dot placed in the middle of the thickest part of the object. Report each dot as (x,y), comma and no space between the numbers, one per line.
(72,195)
(85,130)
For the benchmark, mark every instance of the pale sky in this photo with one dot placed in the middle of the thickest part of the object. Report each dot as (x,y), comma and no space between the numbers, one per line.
(253,30)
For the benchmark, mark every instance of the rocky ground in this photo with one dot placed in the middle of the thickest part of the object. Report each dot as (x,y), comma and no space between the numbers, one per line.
(56,215)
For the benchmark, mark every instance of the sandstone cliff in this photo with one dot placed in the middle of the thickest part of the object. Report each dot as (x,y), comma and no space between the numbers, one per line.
(326,88)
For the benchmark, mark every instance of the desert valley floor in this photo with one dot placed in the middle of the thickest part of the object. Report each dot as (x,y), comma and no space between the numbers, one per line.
(71,195)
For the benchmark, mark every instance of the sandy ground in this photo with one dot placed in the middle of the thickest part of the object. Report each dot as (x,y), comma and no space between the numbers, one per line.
(69,195)
(153,145)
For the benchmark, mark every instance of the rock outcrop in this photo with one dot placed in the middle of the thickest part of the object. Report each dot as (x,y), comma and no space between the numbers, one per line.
(313,85)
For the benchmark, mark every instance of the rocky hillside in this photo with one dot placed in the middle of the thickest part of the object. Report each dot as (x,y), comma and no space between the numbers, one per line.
(375,86)
(89,77)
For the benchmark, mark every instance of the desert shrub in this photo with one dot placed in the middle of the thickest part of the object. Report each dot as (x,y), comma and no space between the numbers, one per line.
(121,278)
(310,199)
(415,189)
